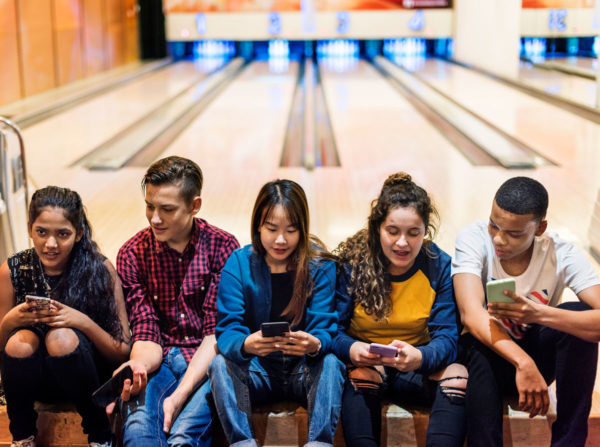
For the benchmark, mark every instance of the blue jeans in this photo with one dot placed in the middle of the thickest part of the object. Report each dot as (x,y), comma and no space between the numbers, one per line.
(316,383)
(143,414)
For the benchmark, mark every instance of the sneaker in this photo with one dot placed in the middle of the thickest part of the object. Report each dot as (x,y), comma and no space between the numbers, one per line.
(101,444)
(29,442)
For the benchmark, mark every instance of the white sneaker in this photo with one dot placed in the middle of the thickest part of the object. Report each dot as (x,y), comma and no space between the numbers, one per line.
(29,442)
(100,444)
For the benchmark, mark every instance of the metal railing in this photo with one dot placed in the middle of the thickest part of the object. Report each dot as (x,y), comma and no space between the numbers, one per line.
(13,191)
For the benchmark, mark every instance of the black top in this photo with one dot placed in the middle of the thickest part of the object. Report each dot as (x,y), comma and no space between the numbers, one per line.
(282,288)
(28,278)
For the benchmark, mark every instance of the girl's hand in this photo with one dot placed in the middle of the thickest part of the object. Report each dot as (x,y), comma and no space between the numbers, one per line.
(360,355)
(298,343)
(61,315)
(22,315)
(256,344)
(408,359)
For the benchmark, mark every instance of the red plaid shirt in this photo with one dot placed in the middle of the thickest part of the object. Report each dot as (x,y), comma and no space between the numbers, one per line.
(171,297)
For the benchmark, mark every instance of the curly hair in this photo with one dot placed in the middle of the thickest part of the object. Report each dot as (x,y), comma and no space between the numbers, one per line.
(370,283)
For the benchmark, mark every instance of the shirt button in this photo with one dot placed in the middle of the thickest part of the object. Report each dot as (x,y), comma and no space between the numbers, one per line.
(155,297)
(179,259)
(202,288)
(182,316)
(186,337)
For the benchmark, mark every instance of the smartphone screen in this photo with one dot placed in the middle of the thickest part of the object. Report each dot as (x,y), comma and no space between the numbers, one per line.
(112,388)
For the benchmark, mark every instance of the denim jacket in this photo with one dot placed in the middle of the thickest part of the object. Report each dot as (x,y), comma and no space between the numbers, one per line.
(244,302)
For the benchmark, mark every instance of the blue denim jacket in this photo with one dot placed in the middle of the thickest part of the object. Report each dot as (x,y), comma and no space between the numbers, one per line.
(244,302)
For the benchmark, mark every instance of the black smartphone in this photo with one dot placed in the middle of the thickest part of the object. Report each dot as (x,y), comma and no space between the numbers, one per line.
(274,328)
(112,388)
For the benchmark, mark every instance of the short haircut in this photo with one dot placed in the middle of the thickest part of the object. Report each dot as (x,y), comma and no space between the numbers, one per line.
(177,171)
(523,195)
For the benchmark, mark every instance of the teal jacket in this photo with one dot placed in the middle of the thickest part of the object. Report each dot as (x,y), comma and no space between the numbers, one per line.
(244,302)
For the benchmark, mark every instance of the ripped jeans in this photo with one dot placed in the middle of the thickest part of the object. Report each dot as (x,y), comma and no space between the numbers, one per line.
(362,399)
(68,378)
(316,383)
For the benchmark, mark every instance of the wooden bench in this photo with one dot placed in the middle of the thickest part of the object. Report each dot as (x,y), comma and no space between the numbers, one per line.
(285,424)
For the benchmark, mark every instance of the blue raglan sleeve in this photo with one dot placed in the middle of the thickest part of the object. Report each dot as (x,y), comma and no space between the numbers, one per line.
(321,320)
(442,322)
(344,307)
(231,332)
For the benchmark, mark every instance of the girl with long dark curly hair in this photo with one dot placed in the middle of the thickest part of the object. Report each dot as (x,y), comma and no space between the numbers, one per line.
(65,350)
(395,290)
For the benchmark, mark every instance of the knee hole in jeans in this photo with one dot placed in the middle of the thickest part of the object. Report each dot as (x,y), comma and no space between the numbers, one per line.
(61,341)
(365,379)
(22,344)
(453,382)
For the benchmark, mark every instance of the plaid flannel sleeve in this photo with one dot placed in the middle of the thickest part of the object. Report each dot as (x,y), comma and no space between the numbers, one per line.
(142,316)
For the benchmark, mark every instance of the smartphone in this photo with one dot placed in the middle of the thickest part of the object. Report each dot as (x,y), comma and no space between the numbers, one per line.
(495,290)
(38,302)
(383,350)
(112,388)
(274,328)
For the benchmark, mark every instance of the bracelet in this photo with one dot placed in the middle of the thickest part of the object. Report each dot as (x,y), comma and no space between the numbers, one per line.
(317,352)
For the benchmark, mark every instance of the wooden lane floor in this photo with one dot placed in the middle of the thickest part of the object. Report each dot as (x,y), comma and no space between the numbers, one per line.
(237,142)
(568,86)
(55,143)
(565,138)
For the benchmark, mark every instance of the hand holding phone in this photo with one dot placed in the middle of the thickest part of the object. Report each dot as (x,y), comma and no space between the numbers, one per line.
(383,350)
(38,302)
(274,328)
(112,388)
(495,290)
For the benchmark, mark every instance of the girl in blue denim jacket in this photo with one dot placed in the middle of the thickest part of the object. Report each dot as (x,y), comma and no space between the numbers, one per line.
(282,277)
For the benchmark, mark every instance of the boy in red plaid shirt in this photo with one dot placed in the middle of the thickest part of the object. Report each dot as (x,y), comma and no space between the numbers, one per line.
(170,273)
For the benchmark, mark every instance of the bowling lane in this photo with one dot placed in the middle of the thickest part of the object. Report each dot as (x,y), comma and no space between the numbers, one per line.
(78,130)
(588,63)
(569,140)
(236,141)
(378,132)
(567,86)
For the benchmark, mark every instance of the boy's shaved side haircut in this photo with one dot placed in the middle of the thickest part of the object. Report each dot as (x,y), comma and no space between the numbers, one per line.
(178,171)
(523,195)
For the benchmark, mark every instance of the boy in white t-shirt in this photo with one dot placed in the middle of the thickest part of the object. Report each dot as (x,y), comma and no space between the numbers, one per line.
(522,347)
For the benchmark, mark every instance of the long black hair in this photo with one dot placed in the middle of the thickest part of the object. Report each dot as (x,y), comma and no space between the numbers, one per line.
(292,198)
(86,284)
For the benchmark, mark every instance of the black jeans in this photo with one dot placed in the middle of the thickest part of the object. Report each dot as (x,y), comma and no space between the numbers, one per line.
(361,410)
(42,377)
(558,355)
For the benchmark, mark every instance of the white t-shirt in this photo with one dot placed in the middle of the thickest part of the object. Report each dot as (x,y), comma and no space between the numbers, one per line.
(555,264)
